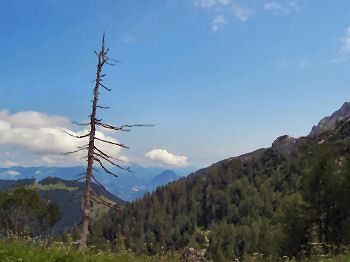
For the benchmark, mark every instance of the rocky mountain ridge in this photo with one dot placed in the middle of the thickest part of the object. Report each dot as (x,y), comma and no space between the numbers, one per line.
(330,122)
(285,144)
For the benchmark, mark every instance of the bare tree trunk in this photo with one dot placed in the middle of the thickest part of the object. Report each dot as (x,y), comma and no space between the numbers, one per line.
(95,154)
(90,160)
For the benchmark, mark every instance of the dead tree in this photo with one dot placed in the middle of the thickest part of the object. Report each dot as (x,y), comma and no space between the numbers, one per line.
(95,154)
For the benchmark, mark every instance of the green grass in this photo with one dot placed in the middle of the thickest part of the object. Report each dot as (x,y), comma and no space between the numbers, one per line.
(339,258)
(30,250)
(18,249)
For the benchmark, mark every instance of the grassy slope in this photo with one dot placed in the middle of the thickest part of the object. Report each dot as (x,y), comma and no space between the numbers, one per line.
(39,251)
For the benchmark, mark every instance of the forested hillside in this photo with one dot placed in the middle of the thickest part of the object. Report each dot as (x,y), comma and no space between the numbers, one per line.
(286,200)
(67,194)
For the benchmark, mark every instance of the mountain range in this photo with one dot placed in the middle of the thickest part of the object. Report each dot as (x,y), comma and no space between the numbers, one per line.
(128,186)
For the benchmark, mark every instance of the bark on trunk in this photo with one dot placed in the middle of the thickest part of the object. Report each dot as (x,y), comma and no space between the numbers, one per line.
(87,197)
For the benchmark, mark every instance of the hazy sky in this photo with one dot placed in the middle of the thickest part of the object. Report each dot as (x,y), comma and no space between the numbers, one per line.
(218,77)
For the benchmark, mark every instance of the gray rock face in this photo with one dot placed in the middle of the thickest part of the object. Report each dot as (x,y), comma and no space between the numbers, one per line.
(284,145)
(330,122)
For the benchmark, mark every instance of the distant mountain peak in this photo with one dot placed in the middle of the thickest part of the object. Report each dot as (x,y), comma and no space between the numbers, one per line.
(167,176)
(330,122)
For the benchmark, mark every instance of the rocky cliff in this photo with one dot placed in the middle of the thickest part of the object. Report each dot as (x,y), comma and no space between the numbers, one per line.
(330,122)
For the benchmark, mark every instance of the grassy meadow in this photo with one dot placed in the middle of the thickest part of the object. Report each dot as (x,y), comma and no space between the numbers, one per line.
(37,250)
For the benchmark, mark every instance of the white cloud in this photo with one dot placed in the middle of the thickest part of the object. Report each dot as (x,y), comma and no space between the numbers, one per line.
(33,119)
(129,38)
(163,156)
(218,22)
(13,173)
(344,50)
(281,9)
(294,6)
(45,137)
(242,13)
(9,174)
(228,7)
(8,163)
(274,7)
(210,3)
(205,3)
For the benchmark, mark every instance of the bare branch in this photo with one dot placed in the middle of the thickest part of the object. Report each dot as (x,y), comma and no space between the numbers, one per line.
(75,151)
(108,156)
(139,125)
(105,203)
(78,179)
(108,63)
(111,127)
(84,146)
(114,60)
(105,158)
(97,182)
(81,124)
(84,173)
(101,152)
(104,168)
(99,200)
(76,136)
(124,127)
(103,107)
(112,163)
(112,143)
(108,89)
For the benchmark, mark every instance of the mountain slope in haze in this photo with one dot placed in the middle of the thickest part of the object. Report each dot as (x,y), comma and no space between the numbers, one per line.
(66,193)
(162,179)
(41,172)
(128,186)
(275,201)
(139,189)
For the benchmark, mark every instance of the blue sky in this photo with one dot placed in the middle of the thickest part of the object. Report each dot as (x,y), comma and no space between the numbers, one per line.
(218,77)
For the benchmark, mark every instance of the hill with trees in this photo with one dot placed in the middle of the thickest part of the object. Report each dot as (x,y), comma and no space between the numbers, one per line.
(291,199)
(66,194)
